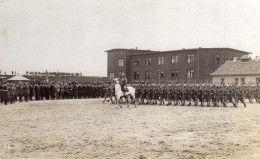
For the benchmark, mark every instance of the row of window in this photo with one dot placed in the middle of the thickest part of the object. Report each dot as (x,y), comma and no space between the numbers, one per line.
(160,74)
(241,81)
(175,59)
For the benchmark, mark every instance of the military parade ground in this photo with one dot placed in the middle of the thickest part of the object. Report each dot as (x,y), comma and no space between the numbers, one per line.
(88,128)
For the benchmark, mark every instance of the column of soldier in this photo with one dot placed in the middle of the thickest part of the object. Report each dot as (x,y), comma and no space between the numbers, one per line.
(203,94)
(24,91)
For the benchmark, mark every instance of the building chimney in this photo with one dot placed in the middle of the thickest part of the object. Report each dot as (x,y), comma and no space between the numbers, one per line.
(136,48)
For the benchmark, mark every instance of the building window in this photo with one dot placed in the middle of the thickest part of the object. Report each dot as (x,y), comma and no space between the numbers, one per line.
(160,60)
(160,74)
(231,58)
(147,74)
(120,74)
(120,62)
(222,80)
(242,81)
(148,61)
(136,62)
(190,74)
(174,74)
(225,57)
(174,59)
(190,59)
(218,58)
(111,76)
(236,80)
(136,75)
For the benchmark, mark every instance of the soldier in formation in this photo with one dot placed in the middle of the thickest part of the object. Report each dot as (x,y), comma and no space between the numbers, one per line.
(202,94)
(24,91)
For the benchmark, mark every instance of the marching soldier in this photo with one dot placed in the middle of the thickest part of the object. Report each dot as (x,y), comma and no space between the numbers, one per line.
(108,92)
(26,91)
(239,96)
(37,91)
(20,92)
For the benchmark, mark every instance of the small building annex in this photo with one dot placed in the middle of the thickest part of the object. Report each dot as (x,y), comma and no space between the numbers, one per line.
(243,71)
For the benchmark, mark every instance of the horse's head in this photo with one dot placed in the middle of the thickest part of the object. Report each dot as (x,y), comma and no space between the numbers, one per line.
(116,80)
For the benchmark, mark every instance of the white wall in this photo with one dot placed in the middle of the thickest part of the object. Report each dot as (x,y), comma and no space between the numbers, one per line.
(231,79)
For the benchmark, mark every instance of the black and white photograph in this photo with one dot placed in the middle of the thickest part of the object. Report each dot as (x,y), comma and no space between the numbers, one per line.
(129,79)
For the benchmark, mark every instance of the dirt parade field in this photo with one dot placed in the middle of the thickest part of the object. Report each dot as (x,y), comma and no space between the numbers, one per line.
(88,128)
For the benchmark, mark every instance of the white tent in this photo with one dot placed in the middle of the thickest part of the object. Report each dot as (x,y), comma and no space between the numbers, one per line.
(18,79)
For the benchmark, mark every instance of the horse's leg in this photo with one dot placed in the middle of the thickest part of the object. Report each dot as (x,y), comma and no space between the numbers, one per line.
(134,100)
(116,101)
(127,101)
(120,101)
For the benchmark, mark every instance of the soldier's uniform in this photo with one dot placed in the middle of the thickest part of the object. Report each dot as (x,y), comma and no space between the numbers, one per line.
(66,91)
(155,94)
(47,91)
(31,92)
(37,92)
(183,96)
(53,91)
(1,92)
(112,88)
(239,96)
(230,96)
(162,95)
(223,96)
(137,93)
(42,91)
(5,94)
(26,91)
(80,91)
(57,91)
(10,93)
(108,93)
(75,91)
(15,92)
(84,91)
(70,91)
(169,95)
(194,95)
(201,96)
(20,92)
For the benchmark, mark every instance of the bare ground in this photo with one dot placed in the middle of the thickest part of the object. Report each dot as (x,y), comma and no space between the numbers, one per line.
(89,129)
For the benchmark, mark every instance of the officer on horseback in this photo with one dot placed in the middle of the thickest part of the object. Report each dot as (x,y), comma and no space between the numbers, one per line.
(123,82)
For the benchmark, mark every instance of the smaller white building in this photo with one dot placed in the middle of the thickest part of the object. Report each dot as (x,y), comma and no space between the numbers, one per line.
(243,71)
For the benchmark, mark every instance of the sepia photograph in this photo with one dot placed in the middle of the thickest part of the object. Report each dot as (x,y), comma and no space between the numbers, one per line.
(129,79)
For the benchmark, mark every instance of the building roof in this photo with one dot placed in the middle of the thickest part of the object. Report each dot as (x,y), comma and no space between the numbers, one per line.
(238,67)
(122,49)
(18,78)
(192,49)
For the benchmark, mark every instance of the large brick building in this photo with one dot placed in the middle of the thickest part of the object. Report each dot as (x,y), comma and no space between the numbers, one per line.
(186,64)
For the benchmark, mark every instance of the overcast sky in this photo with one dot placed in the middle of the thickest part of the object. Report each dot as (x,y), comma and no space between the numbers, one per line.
(72,35)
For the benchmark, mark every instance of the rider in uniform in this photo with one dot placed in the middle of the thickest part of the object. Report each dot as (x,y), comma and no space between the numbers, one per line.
(123,82)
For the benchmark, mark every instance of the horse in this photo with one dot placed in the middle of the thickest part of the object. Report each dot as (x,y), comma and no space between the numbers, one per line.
(120,94)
